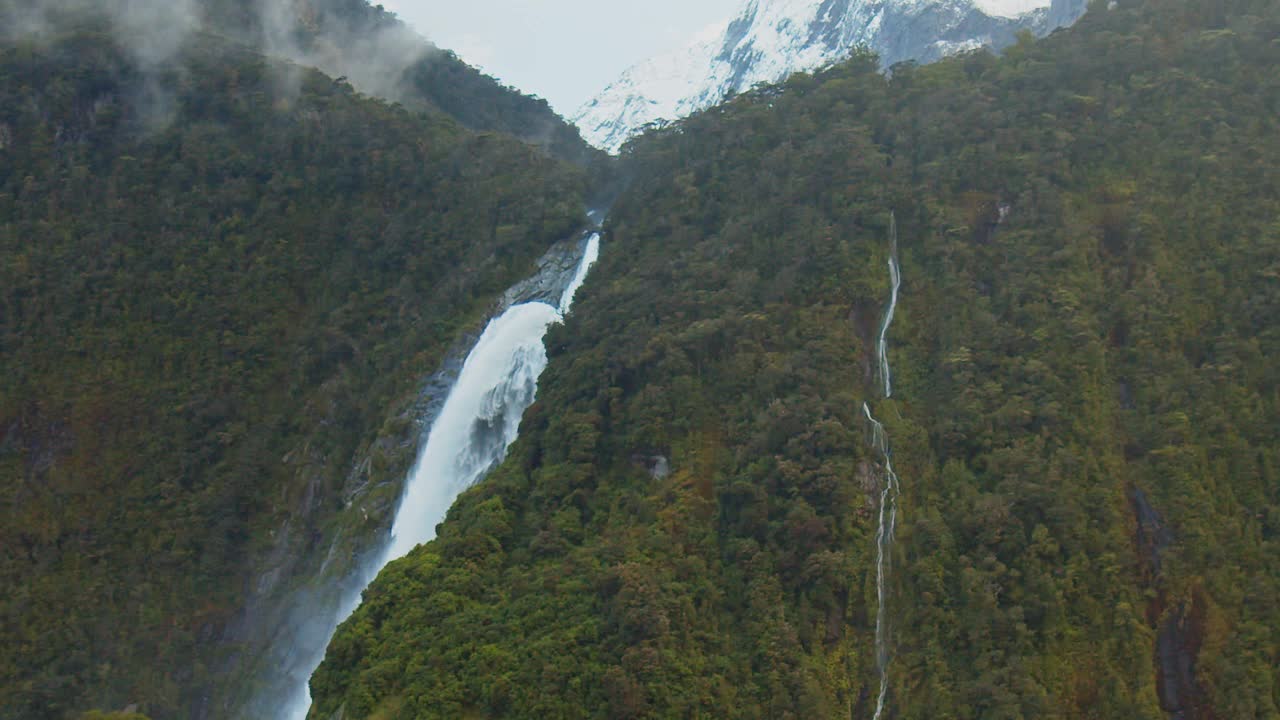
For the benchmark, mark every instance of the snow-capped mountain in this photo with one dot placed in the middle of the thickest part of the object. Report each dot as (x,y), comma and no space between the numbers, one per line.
(771,39)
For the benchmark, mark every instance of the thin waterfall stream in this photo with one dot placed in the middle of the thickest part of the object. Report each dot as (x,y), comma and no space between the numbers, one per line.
(470,436)
(895,280)
(889,488)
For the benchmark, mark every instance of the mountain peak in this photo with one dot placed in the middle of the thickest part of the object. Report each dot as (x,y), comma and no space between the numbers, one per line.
(768,40)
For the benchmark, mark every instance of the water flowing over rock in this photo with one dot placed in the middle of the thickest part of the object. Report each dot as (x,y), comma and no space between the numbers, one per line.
(482,416)
(895,281)
(479,421)
(889,486)
(557,273)
(467,414)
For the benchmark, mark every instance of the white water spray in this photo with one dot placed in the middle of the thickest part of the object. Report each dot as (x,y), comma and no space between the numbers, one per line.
(479,421)
(589,256)
(889,489)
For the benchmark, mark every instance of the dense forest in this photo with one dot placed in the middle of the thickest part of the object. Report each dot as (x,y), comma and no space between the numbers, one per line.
(1084,420)
(224,277)
(346,39)
(219,278)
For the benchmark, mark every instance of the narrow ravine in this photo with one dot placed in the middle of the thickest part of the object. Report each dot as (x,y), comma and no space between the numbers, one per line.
(470,436)
(889,487)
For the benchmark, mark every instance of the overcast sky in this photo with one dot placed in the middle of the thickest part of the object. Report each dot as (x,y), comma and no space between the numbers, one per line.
(568,50)
(562,50)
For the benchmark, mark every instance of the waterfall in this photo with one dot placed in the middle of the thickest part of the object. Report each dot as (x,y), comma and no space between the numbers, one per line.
(895,280)
(589,256)
(884,543)
(479,421)
(889,488)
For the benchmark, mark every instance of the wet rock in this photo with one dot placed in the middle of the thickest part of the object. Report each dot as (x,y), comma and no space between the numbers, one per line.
(869,481)
(555,271)
(1153,536)
(1179,628)
(299,587)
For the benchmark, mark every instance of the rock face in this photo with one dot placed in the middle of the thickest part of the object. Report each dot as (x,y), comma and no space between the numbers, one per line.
(310,574)
(771,39)
(555,271)
(1179,625)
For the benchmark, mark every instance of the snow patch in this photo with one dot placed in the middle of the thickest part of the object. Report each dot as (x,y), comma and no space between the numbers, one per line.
(769,40)
(1009,8)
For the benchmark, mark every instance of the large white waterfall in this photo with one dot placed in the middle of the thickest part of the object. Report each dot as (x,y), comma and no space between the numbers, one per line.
(479,421)
(889,485)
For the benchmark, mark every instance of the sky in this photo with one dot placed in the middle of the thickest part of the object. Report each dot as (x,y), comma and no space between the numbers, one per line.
(565,51)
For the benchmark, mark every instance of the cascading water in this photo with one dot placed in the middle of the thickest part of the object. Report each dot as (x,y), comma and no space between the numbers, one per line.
(589,256)
(884,543)
(889,489)
(479,421)
(895,280)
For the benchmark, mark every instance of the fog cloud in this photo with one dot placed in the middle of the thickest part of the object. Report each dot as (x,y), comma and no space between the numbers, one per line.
(152,31)
(368,47)
(372,53)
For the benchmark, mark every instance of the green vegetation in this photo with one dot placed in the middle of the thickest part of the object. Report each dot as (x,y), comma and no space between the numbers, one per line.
(221,280)
(437,81)
(348,39)
(214,286)
(1090,249)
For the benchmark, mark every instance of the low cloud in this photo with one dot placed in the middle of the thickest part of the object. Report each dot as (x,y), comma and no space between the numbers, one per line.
(372,52)
(152,31)
(368,47)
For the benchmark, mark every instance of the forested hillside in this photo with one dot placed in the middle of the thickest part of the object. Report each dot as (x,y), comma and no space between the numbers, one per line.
(219,276)
(350,39)
(384,57)
(1085,416)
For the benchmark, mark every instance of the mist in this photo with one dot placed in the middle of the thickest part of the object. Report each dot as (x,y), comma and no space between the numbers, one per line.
(372,52)
(152,31)
(368,47)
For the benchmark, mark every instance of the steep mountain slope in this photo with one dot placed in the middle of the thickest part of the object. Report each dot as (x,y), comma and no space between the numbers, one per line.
(220,276)
(771,39)
(351,39)
(1085,411)
(382,56)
